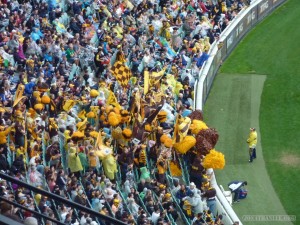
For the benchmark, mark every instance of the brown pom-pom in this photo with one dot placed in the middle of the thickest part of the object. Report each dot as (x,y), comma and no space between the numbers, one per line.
(196,115)
(211,135)
(202,145)
(205,148)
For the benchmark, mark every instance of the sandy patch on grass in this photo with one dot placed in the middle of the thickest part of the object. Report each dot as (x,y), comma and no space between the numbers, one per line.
(291,160)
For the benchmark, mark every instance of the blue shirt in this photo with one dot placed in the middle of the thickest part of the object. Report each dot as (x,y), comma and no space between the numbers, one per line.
(29,88)
(201,60)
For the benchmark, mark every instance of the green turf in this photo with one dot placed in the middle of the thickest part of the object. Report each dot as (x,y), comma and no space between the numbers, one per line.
(273,49)
(233,120)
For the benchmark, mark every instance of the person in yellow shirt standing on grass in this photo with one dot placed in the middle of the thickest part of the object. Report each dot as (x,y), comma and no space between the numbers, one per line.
(252,141)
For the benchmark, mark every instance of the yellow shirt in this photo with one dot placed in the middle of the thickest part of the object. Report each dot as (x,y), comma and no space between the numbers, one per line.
(3,135)
(252,140)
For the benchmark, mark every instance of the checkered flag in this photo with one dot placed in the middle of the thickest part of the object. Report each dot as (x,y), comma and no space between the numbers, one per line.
(121,72)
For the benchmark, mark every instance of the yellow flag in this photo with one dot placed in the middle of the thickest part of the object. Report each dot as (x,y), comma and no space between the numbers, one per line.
(176,136)
(69,105)
(121,72)
(99,141)
(146,81)
(156,76)
(112,100)
(52,105)
(19,94)
(81,114)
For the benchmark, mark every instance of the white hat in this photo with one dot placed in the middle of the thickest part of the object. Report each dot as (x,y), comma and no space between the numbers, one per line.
(80,192)
(151,143)
(192,184)
(30,221)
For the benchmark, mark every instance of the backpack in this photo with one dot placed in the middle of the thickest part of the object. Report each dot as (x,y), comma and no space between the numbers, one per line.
(243,193)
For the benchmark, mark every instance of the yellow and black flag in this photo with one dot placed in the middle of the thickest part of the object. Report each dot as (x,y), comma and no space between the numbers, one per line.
(152,78)
(156,76)
(69,104)
(112,100)
(19,94)
(121,71)
(146,81)
(181,128)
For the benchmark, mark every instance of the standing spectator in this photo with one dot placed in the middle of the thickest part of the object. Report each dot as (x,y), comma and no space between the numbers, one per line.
(74,163)
(210,195)
(252,141)
(20,130)
(81,198)
(4,131)
(183,192)
(198,220)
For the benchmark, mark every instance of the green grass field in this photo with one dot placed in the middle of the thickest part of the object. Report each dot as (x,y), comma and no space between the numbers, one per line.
(259,86)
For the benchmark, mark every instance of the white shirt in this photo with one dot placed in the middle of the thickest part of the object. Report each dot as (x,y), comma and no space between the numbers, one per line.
(154,217)
(233,187)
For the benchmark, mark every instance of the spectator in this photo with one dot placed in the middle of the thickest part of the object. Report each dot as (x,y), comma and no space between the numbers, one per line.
(64,54)
(235,186)
(210,195)
(252,142)
(7,210)
(74,162)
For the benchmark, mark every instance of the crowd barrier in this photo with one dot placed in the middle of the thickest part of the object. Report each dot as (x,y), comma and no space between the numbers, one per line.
(220,50)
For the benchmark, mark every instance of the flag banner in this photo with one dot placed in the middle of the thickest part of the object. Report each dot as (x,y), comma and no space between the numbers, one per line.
(121,72)
(112,100)
(19,94)
(156,76)
(146,81)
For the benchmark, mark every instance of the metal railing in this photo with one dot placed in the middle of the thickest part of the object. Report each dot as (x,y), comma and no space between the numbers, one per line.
(60,199)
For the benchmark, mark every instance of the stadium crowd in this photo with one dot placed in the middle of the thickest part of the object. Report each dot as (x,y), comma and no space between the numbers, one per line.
(96,106)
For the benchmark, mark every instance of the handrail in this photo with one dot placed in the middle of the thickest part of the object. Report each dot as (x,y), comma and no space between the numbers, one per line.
(30,210)
(8,221)
(61,199)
